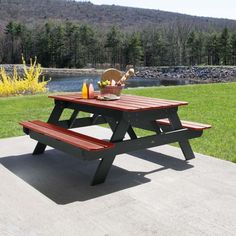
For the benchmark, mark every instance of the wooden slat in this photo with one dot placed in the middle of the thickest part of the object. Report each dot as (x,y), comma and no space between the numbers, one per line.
(146,102)
(186,124)
(126,103)
(117,105)
(79,140)
(95,102)
(129,103)
(156,99)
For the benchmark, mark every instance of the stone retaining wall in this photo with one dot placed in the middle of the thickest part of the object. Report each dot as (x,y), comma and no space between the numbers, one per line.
(201,74)
(194,74)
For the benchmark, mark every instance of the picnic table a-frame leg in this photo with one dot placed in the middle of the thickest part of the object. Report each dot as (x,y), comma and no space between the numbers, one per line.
(184,144)
(112,124)
(105,164)
(53,119)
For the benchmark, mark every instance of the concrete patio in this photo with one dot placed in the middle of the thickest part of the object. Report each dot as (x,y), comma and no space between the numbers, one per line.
(149,192)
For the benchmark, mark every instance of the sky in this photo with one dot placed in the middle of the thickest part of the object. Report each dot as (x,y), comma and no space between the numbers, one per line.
(211,8)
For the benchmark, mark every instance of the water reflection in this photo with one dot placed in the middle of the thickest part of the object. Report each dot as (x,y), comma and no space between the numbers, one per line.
(74,83)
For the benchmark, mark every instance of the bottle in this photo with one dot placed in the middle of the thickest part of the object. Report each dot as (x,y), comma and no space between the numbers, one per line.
(90,91)
(84,90)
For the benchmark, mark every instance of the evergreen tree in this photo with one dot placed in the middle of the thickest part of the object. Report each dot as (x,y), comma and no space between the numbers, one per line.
(68,44)
(43,45)
(68,48)
(88,42)
(134,50)
(233,44)
(10,30)
(58,39)
(195,48)
(199,48)
(114,43)
(154,49)
(14,30)
(26,42)
(212,49)
(191,47)
(225,46)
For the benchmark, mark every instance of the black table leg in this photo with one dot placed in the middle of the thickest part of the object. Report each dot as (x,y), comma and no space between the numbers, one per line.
(131,133)
(53,119)
(184,144)
(73,118)
(105,164)
(112,124)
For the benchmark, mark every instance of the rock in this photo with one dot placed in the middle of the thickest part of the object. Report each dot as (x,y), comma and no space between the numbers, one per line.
(195,73)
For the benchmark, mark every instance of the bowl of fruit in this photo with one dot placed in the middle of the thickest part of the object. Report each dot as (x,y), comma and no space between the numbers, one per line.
(113,81)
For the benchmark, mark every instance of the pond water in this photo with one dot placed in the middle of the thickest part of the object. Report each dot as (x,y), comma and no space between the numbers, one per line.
(74,83)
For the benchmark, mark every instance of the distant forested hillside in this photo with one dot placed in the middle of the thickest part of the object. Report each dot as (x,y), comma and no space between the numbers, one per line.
(32,11)
(74,34)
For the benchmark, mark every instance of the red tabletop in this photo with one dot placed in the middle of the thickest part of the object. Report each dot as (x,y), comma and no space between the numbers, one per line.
(130,103)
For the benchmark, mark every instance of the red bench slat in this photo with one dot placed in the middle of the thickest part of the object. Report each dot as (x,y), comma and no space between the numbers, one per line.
(186,124)
(79,140)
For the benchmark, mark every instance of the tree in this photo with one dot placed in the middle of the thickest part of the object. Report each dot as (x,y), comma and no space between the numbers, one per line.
(134,50)
(88,42)
(159,50)
(13,30)
(173,50)
(1,48)
(199,48)
(69,50)
(233,44)
(58,39)
(212,49)
(26,42)
(44,45)
(114,43)
(195,48)
(69,44)
(225,46)
(181,30)
(191,46)
(154,47)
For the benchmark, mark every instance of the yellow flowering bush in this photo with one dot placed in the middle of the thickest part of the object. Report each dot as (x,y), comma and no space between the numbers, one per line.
(28,84)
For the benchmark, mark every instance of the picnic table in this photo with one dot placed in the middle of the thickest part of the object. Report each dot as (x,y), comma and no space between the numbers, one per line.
(123,115)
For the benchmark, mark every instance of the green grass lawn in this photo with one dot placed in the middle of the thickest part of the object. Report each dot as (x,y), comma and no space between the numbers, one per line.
(213,104)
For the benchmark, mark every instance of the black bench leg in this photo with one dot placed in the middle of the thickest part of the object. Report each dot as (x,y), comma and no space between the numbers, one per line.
(53,119)
(39,149)
(102,170)
(187,150)
(184,145)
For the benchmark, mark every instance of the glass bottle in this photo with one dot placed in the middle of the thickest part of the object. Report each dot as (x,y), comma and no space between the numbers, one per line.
(84,90)
(91,91)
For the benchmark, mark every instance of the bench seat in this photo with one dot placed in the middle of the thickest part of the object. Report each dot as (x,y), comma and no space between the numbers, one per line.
(186,124)
(75,139)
